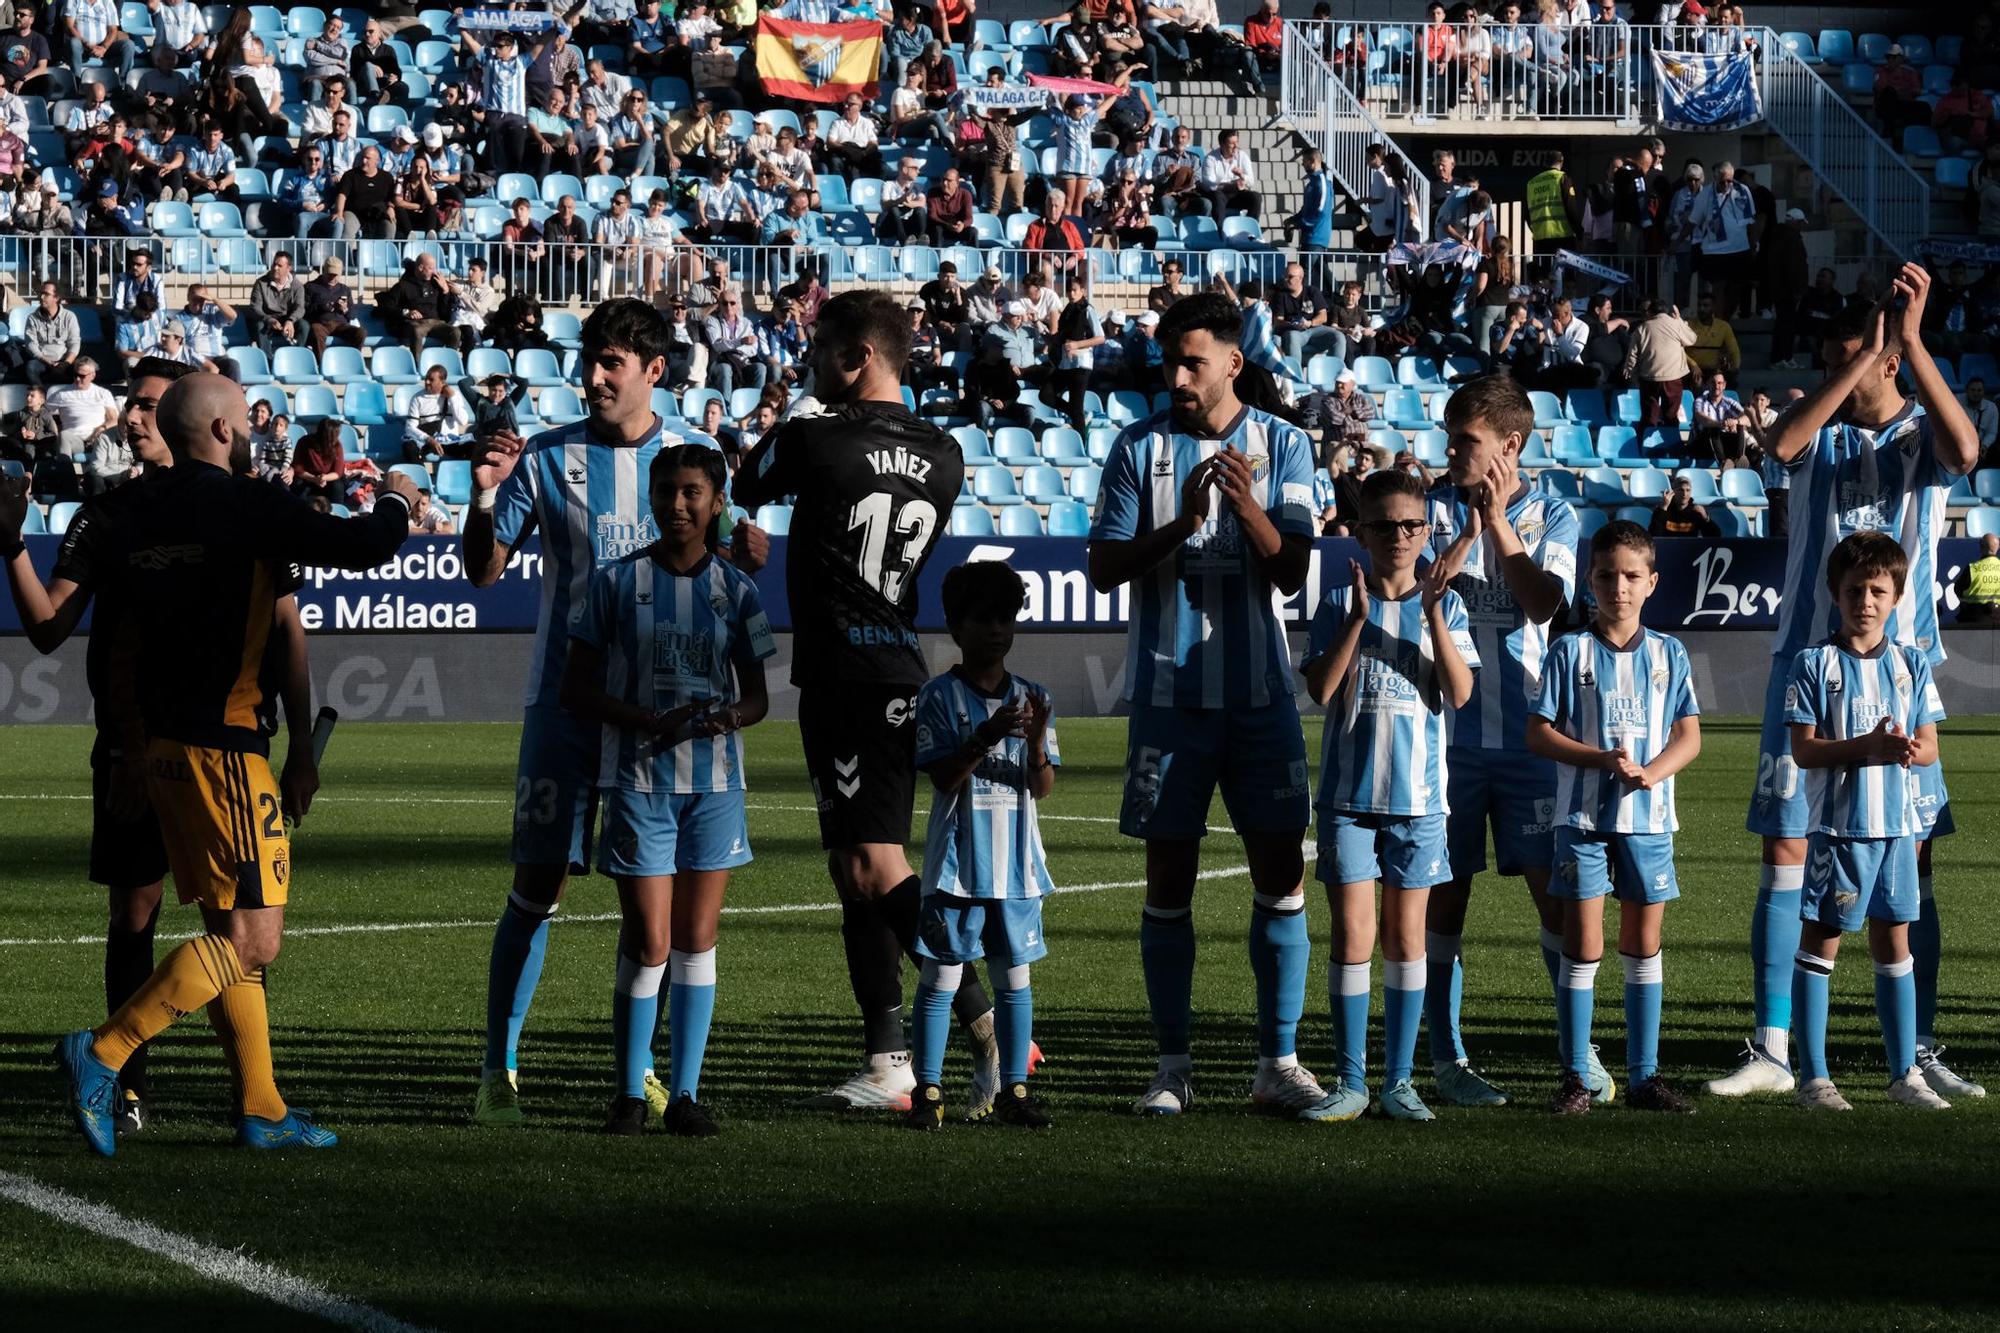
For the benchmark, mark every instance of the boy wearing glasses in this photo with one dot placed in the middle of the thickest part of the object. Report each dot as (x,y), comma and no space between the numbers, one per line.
(1391,655)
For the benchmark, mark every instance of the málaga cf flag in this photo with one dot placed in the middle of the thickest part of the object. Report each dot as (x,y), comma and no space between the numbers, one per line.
(1701,92)
(818,62)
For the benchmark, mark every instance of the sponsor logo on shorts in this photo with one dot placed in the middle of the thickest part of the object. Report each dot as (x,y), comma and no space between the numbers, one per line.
(626,844)
(847,776)
(1545,817)
(1030,938)
(1821,869)
(1660,882)
(1567,870)
(736,847)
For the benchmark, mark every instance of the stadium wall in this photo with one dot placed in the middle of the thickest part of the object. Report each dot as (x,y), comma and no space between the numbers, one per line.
(479,677)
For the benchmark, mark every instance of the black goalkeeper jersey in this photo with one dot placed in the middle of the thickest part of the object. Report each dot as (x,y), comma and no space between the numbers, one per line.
(873,487)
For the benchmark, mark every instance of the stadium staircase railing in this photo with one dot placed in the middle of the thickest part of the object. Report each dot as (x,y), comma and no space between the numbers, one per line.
(1324,110)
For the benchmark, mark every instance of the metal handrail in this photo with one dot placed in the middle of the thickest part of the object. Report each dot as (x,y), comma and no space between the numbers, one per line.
(1323,107)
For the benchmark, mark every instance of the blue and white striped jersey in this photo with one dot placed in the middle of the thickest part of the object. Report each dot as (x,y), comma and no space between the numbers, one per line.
(1387,729)
(1260,340)
(1072,142)
(1511,647)
(670,640)
(503,84)
(983,840)
(1614,699)
(589,501)
(1204,632)
(1855,480)
(1842,696)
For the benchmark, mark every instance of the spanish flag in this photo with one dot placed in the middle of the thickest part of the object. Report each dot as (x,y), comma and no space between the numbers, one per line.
(818,62)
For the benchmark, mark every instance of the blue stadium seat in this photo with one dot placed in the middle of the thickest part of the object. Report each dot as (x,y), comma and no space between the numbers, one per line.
(1548,408)
(1243,232)
(1979,366)
(1732,522)
(1021,521)
(1980,522)
(1068,518)
(1858,79)
(1640,514)
(1586,407)
(169,218)
(1322,370)
(1431,448)
(994,485)
(1701,485)
(135,19)
(1801,45)
(1937,80)
(1404,408)
(343,365)
(1873,47)
(1916,48)
(454,481)
(1535,453)
(1922,141)
(1950,49)
(220,219)
(598,190)
(564,328)
(1063,447)
(1986,485)
(315,403)
(295,366)
(514,185)
(1647,483)
(281,404)
(775,519)
(1589,522)
(1561,481)
(695,402)
(1573,446)
(60,515)
(972,521)
(538,367)
(1836,46)
(1953,173)
(1373,373)
(1014,444)
(742,402)
(1615,440)
(433,56)
(486,361)
(448,357)
(1627,407)
(363,402)
(560,183)
(385,119)
(559,406)
(252,368)
(393,365)
(1042,484)
(972,444)
(1604,487)
(1083,484)
(1742,486)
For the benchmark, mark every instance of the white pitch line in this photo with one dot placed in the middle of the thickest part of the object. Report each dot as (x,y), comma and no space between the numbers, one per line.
(575,918)
(231,1267)
(504,800)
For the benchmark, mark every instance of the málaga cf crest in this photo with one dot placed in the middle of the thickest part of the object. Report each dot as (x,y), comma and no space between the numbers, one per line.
(819,57)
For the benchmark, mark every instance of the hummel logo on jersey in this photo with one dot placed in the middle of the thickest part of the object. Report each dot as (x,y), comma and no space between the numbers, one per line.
(578,475)
(847,776)
(1163,466)
(645,599)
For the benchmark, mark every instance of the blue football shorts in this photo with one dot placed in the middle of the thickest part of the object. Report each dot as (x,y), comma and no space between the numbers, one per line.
(1853,880)
(663,833)
(1637,867)
(1778,800)
(951,929)
(1404,852)
(1514,792)
(1927,789)
(555,789)
(1177,757)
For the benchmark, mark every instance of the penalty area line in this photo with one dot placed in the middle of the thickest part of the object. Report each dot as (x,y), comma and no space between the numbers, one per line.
(230,1267)
(574,918)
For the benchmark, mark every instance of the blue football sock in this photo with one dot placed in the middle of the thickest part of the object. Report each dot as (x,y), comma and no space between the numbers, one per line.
(1347,996)
(1402,1011)
(1896,1008)
(690,1011)
(1812,979)
(1644,983)
(936,984)
(1576,995)
(1280,949)
(1166,955)
(1774,938)
(519,942)
(1552,957)
(1444,987)
(1926,942)
(635,1012)
(1013,1021)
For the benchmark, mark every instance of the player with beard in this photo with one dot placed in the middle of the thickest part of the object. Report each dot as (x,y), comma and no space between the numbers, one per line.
(583,487)
(126,854)
(873,487)
(1206,510)
(197,570)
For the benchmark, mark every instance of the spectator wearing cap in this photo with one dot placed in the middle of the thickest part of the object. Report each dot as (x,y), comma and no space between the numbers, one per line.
(326,56)
(1006,353)
(693,139)
(1343,416)
(439,424)
(401,152)
(1143,356)
(329,308)
(851,143)
(986,301)
(924,368)
(172,345)
(1110,371)
(1898,90)
(449,163)
(376,71)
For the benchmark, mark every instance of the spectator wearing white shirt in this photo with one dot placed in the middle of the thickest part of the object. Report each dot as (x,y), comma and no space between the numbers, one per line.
(1985,417)
(733,362)
(181,27)
(633,138)
(207,319)
(91,27)
(318,122)
(1229,179)
(1721,221)
(82,407)
(439,424)
(603,89)
(1563,343)
(721,209)
(503,98)
(851,143)
(1719,421)
(618,232)
(13,111)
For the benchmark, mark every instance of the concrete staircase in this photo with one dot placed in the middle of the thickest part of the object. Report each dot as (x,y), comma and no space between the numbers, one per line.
(1209,106)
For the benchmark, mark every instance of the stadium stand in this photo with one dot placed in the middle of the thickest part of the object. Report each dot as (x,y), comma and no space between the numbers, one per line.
(532,188)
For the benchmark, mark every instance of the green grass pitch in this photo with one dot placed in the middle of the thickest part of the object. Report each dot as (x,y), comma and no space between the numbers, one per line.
(1502,1218)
